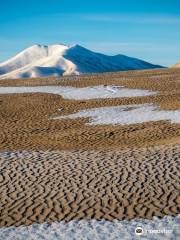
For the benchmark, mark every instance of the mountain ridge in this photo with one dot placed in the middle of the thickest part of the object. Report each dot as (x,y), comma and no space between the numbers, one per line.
(60,59)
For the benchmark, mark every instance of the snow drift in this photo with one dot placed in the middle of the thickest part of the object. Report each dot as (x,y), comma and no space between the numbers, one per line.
(125,114)
(162,229)
(59,59)
(81,93)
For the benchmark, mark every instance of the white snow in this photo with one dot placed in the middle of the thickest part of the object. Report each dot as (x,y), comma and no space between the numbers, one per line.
(161,229)
(38,61)
(59,59)
(125,114)
(81,93)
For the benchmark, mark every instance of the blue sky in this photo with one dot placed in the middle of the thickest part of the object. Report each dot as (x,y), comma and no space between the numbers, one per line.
(147,29)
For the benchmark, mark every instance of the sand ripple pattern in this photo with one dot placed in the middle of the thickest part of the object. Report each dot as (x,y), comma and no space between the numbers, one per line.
(61,185)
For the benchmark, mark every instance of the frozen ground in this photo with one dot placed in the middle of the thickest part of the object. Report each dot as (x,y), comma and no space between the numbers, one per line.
(125,114)
(166,228)
(81,93)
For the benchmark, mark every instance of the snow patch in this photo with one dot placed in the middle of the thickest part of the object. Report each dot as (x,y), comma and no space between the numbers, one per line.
(125,114)
(81,93)
(161,229)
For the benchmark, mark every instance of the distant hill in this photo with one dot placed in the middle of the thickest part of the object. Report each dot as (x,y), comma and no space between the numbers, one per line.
(59,59)
(177,65)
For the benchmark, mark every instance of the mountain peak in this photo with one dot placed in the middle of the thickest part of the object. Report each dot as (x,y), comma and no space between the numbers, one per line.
(61,59)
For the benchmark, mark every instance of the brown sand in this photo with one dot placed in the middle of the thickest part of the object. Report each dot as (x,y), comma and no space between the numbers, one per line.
(49,186)
(98,171)
(25,118)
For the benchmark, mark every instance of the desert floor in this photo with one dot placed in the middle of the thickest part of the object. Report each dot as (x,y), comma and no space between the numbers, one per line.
(64,169)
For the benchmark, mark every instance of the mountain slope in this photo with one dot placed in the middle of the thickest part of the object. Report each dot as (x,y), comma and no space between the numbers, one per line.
(57,60)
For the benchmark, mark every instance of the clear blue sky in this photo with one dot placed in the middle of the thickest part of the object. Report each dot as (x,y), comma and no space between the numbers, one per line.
(147,29)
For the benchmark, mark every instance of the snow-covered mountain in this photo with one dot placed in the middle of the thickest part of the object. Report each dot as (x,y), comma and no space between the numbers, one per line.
(59,59)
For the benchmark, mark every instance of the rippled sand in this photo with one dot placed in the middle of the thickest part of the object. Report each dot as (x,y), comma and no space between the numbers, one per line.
(65,169)
(48,186)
